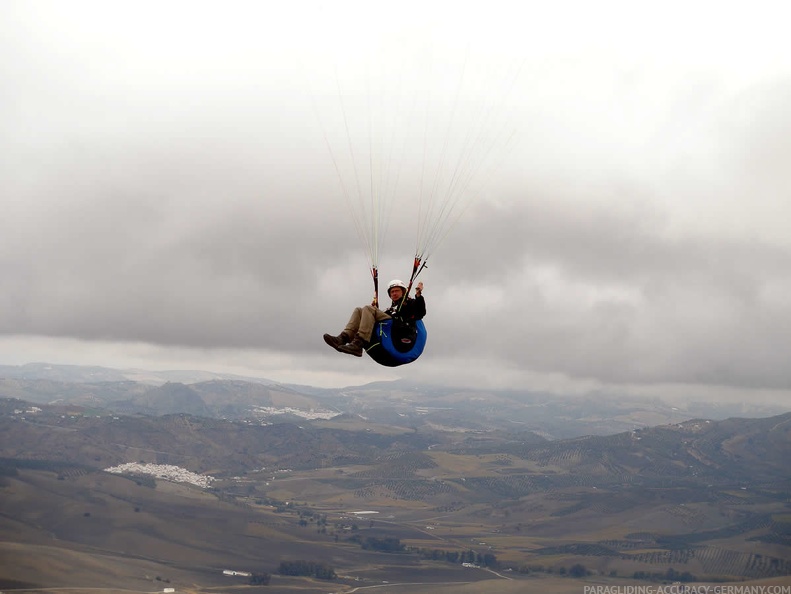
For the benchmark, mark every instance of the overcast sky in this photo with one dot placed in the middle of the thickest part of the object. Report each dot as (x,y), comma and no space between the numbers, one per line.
(170,198)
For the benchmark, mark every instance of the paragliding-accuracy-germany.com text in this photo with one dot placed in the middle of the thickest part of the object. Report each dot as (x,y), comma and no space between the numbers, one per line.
(688,589)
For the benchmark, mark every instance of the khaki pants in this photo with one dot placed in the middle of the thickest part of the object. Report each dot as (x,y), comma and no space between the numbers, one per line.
(362,321)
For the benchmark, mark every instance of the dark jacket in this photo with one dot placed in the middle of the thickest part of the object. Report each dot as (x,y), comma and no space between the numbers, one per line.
(411,310)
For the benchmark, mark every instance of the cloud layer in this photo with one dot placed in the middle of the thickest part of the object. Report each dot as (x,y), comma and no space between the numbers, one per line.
(173,193)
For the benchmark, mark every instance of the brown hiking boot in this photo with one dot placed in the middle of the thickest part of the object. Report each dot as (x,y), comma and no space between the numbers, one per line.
(355,347)
(337,341)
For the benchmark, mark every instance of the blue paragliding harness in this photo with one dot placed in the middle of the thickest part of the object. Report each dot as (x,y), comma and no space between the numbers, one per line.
(397,341)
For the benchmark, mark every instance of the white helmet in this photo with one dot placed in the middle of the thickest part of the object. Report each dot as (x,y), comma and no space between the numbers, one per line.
(396,283)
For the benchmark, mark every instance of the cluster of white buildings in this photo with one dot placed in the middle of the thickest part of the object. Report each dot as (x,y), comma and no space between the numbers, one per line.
(311,414)
(33,410)
(167,472)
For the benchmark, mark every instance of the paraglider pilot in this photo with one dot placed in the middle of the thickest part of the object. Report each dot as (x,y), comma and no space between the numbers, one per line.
(357,334)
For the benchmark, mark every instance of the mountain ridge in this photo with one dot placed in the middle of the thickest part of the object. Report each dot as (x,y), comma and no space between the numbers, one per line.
(398,402)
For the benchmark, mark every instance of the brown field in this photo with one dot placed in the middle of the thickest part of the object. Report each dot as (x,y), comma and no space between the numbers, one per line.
(282,399)
(83,528)
(358,424)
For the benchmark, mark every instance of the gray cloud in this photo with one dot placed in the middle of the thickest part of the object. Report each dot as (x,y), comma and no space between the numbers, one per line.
(634,235)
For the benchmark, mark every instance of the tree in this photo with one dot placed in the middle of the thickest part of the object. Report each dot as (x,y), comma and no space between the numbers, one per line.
(386,545)
(260,579)
(578,570)
(308,568)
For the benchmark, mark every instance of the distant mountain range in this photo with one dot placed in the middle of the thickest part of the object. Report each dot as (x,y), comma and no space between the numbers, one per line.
(734,452)
(398,403)
(95,374)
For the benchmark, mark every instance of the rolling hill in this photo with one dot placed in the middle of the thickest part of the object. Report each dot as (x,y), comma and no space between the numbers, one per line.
(386,489)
